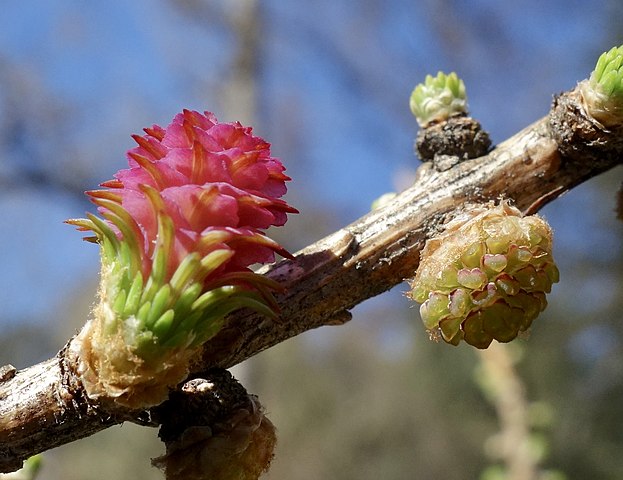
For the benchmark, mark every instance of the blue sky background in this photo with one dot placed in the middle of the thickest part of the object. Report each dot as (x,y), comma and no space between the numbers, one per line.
(333,83)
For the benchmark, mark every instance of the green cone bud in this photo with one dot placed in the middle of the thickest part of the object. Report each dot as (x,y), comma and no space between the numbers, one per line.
(438,98)
(485,278)
(602,93)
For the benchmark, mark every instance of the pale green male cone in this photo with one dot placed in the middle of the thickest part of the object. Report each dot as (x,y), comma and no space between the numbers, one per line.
(438,98)
(485,277)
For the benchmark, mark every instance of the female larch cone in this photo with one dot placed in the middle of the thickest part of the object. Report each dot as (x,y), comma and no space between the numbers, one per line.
(180,229)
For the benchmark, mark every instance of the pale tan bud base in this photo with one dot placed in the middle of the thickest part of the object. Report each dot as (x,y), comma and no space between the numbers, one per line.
(106,359)
(601,107)
(109,368)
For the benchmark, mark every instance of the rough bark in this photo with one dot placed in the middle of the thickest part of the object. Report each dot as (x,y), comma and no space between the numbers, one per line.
(44,406)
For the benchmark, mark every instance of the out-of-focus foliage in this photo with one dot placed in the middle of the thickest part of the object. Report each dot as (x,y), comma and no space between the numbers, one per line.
(29,471)
(328,86)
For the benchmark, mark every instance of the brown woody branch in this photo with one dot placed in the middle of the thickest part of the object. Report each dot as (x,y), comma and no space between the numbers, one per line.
(44,406)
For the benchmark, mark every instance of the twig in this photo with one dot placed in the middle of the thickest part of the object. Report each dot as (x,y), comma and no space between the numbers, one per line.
(44,406)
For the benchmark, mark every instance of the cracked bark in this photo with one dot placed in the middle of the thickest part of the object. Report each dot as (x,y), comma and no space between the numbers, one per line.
(44,406)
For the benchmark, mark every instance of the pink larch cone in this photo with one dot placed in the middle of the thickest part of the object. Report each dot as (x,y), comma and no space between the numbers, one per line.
(181,228)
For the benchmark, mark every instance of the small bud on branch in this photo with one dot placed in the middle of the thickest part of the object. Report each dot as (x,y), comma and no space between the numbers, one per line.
(447,135)
(602,93)
(438,98)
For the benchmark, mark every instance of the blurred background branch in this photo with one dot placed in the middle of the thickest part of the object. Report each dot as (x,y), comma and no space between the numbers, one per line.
(519,448)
